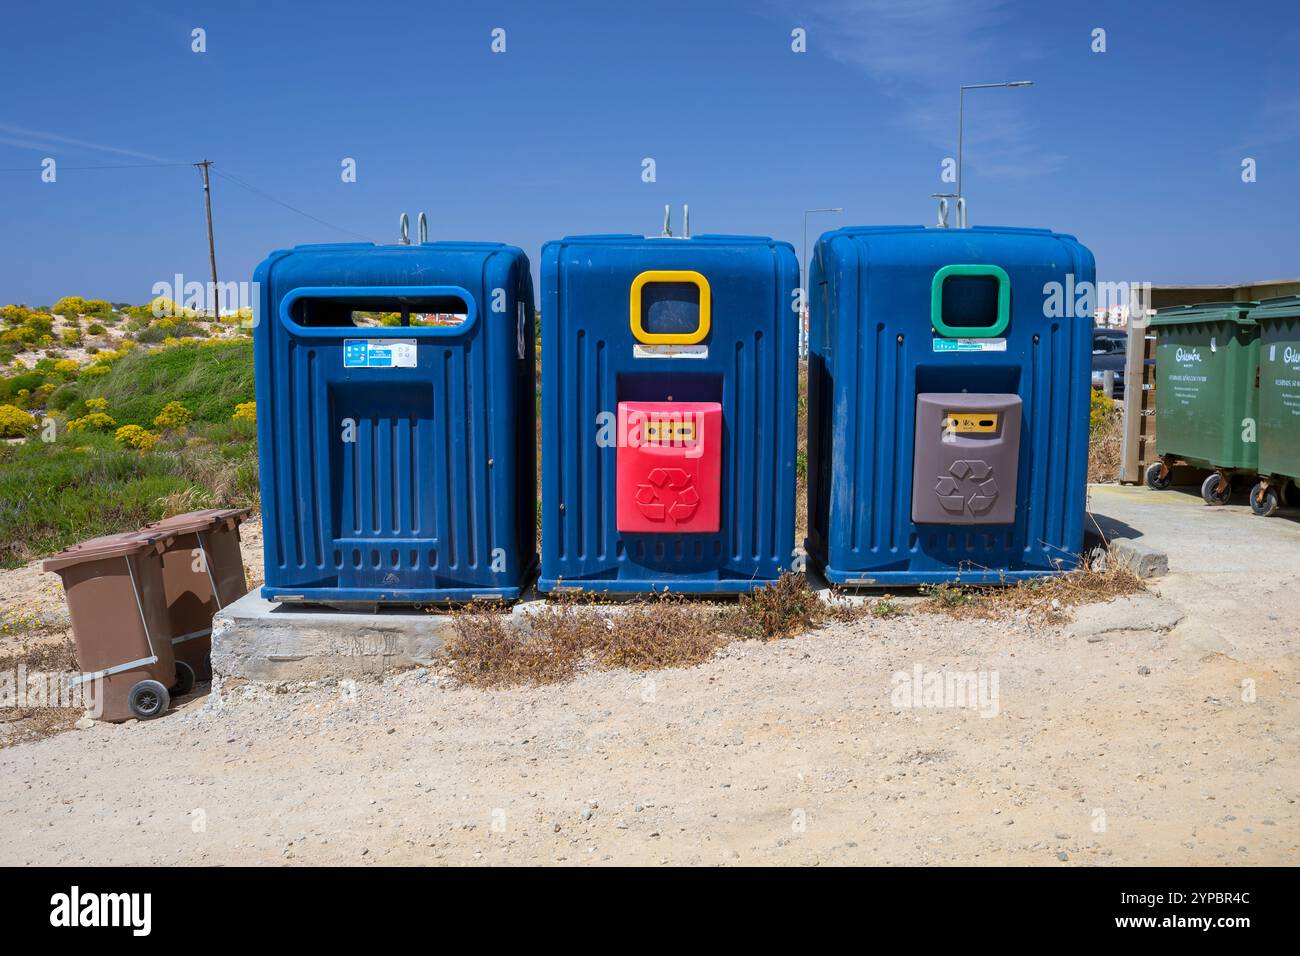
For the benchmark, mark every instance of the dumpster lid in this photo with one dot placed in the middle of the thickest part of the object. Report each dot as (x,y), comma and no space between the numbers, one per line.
(1282,306)
(1206,312)
(122,544)
(204,520)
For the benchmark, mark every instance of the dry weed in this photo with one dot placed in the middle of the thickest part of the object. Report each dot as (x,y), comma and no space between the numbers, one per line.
(19,725)
(1041,600)
(25,724)
(665,631)
(782,609)
(44,657)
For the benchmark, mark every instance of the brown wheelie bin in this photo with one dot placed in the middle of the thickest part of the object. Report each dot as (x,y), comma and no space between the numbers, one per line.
(115,597)
(203,571)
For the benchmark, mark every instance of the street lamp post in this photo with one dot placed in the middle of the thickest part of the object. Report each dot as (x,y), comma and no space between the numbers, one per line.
(961,122)
(803,323)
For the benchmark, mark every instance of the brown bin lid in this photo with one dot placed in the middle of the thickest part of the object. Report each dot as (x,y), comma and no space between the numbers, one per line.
(122,544)
(204,520)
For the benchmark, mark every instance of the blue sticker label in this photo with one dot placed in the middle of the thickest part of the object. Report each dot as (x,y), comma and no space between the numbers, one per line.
(355,353)
(970,345)
(379,353)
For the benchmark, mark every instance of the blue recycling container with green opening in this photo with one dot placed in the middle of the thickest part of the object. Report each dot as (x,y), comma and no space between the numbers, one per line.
(396,422)
(948,404)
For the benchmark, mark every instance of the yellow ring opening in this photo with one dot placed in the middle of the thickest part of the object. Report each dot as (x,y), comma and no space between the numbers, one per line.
(670,338)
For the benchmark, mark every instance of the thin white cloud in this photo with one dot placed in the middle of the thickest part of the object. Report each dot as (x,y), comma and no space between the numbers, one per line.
(36,139)
(907,42)
(1276,123)
(919,52)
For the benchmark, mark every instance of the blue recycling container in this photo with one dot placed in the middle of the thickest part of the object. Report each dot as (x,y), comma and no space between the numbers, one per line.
(669,392)
(396,422)
(948,399)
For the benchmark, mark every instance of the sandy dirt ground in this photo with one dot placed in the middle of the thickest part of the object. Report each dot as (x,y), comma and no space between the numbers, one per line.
(1162,728)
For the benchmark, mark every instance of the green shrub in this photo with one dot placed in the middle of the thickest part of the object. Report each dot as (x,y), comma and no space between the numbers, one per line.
(133,436)
(173,416)
(14,422)
(93,422)
(164,329)
(65,397)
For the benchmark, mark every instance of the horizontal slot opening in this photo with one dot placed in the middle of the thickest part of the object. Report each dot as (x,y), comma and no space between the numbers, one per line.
(669,387)
(380,311)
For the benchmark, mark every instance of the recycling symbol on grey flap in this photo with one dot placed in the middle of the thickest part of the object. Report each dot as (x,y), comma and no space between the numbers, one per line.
(969,485)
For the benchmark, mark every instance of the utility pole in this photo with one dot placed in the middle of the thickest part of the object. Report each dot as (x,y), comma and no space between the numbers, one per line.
(212,249)
(961,122)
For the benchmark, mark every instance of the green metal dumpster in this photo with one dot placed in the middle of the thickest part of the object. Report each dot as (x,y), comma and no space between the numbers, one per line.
(1207,394)
(1278,321)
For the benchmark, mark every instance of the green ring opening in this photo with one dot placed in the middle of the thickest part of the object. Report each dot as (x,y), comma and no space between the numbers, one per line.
(971,332)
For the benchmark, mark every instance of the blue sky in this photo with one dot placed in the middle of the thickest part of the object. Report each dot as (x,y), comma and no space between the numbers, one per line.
(1137,150)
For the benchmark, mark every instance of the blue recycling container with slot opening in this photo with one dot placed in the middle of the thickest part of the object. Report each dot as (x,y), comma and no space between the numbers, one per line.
(948,404)
(669,393)
(396,422)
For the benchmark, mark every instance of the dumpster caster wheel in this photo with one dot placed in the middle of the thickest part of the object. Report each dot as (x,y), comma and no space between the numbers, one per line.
(1263,501)
(1210,490)
(1154,480)
(184,679)
(148,699)
(1288,494)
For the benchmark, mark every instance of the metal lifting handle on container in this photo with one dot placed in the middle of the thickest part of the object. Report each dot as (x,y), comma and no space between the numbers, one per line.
(943,209)
(421,229)
(668,225)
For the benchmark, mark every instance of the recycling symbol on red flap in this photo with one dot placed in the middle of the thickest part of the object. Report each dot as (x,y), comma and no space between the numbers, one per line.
(667,492)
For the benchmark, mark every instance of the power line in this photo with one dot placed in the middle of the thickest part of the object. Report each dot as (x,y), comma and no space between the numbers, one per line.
(279,202)
(227,176)
(38,170)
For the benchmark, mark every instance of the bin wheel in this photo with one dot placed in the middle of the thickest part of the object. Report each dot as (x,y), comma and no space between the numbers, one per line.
(1288,493)
(1154,480)
(185,679)
(1263,501)
(148,699)
(1210,489)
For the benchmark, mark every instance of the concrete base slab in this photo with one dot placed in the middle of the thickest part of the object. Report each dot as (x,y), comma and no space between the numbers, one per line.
(257,639)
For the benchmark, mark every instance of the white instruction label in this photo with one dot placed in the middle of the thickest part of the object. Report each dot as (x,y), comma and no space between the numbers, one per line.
(970,345)
(669,351)
(379,353)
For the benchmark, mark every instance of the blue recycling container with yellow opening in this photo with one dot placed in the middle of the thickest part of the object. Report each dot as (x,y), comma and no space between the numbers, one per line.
(396,422)
(948,404)
(669,392)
